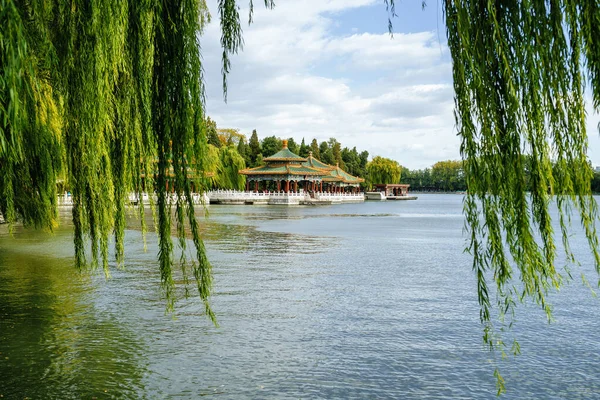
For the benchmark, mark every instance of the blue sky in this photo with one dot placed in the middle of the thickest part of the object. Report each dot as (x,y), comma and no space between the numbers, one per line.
(329,68)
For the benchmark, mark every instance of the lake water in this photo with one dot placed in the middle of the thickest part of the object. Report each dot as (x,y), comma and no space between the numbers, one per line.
(373,300)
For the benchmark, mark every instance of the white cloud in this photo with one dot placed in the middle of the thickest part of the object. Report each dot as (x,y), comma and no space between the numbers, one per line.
(298,78)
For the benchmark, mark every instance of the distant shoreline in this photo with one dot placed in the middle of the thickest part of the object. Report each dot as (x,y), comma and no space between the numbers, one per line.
(436,192)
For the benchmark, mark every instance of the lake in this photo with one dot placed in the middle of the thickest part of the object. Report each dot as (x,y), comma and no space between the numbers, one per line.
(373,300)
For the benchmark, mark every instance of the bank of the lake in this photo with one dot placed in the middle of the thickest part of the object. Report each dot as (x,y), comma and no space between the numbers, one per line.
(372,300)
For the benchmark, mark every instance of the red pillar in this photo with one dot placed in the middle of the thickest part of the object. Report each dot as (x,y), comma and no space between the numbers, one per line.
(287,186)
(255,186)
(247,182)
(278,186)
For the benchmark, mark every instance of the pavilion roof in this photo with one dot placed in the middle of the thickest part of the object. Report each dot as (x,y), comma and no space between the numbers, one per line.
(339,175)
(284,162)
(282,169)
(314,163)
(285,155)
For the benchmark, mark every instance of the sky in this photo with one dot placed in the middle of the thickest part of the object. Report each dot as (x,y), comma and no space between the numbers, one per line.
(329,68)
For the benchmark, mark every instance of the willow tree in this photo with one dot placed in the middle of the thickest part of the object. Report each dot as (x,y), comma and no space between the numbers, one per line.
(231,162)
(520,70)
(383,170)
(104,92)
(99,90)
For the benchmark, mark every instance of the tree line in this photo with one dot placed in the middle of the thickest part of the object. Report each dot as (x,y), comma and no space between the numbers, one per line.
(230,151)
(449,176)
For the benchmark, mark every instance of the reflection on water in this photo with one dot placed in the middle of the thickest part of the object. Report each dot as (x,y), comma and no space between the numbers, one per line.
(371,300)
(54,342)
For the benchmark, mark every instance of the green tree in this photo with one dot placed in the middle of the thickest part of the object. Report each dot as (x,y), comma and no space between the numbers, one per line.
(271,145)
(293,146)
(351,161)
(212,133)
(596,182)
(304,149)
(364,159)
(448,175)
(326,153)
(336,152)
(242,147)
(212,165)
(227,173)
(513,97)
(316,151)
(84,84)
(254,149)
(92,72)
(383,170)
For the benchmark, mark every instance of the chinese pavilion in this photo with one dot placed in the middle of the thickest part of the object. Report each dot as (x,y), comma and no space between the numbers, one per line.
(289,172)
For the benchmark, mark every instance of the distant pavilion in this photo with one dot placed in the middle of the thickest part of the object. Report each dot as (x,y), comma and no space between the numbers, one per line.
(288,172)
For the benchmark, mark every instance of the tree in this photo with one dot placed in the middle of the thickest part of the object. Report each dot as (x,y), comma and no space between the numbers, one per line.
(86,85)
(293,146)
(326,153)
(271,145)
(212,133)
(303,150)
(254,149)
(227,173)
(316,151)
(242,147)
(212,161)
(229,135)
(514,97)
(336,152)
(383,170)
(448,175)
(81,78)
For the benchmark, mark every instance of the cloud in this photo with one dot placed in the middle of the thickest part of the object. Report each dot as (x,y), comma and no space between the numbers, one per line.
(298,78)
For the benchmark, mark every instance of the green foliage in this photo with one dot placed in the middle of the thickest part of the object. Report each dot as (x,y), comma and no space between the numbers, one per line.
(254,150)
(227,171)
(303,150)
(212,165)
(326,153)
(242,148)
(293,146)
(448,175)
(271,145)
(355,163)
(336,152)
(212,133)
(383,170)
(31,152)
(314,147)
(98,94)
(514,96)
(596,183)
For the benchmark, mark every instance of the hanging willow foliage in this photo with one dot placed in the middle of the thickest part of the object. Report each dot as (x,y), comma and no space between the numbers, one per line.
(105,92)
(519,71)
(107,95)
(383,170)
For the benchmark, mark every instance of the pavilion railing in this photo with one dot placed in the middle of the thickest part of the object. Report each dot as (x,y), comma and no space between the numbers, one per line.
(265,195)
(67,200)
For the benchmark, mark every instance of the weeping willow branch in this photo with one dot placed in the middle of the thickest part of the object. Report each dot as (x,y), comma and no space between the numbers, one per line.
(102,93)
(519,73)
(107,96)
